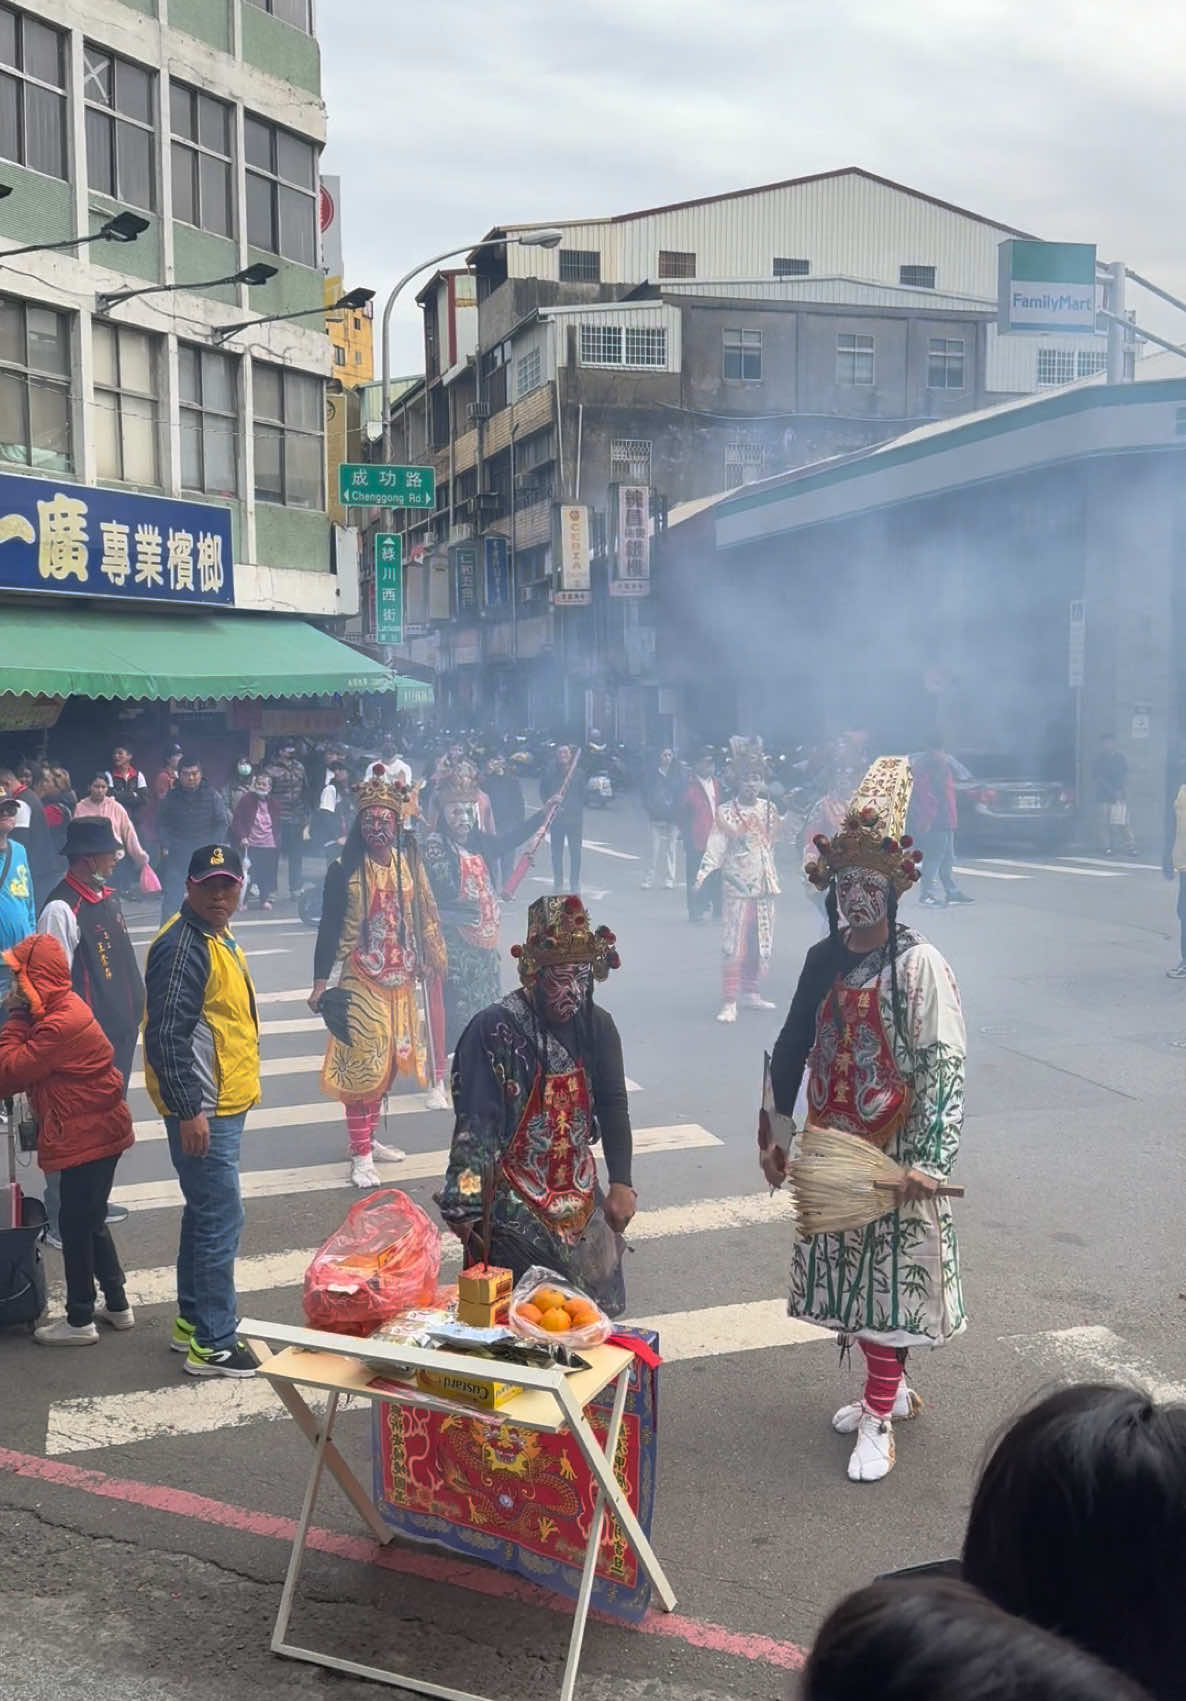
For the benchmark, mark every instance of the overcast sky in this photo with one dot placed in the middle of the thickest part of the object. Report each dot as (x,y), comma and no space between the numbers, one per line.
(1059,116)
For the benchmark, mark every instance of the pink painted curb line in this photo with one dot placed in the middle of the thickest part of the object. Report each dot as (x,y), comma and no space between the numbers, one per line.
(179,1503)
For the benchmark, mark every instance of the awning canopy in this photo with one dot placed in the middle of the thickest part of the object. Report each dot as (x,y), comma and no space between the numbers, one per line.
(53,651)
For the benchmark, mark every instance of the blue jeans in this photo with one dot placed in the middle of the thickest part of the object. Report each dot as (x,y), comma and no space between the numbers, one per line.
(211,1224)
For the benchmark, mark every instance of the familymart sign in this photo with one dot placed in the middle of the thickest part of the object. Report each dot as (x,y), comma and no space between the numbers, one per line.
(1046,286)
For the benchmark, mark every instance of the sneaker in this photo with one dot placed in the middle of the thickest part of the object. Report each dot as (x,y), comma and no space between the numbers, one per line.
(959,898)
(363,1172)
(387,1154)
(54,1240)
(236,1360)
(1170,974)
(930,903)
(873,1456)
(755,1001)
(119,1320)
(183,1334)
(727,1013)
(647,884)
(907,1405)
(117,1214)
(64,1334)
(438,1098)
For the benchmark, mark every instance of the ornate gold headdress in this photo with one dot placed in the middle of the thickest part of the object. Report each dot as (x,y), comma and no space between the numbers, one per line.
(870,835)
(559,931)
(383,791)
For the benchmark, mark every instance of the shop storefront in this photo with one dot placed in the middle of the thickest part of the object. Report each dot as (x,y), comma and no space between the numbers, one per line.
(119,622)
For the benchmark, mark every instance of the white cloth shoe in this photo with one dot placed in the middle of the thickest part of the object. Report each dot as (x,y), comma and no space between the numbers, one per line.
(121,1320)
(907,1405)
(438,1098)
(873,1455)
(755,1001)
(727,1013)
(387,1154)
(60,1333)
(363,1172)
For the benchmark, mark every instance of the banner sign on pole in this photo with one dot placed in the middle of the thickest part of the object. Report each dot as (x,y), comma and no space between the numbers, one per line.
(1046,286)
(632,552)
(389,588)
(571,549)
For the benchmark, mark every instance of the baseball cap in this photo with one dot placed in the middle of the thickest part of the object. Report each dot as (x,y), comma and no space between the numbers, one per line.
(211,860)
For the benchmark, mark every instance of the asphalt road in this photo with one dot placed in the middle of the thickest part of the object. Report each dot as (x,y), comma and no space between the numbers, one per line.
(134,1505)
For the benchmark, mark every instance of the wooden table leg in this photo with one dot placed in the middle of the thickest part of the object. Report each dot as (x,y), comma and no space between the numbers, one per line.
(306,1421)
(297,1556)
(589,1570)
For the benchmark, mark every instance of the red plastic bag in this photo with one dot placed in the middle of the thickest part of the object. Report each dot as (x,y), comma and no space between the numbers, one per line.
(384,1259)
(149,884)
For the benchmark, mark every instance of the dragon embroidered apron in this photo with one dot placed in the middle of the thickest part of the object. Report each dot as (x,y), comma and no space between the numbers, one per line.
(549,1162)
(854,1082)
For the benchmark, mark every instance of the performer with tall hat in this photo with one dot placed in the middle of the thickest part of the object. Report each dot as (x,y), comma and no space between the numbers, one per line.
(876,1025)
(537,1080)
(741,844)
(379,923)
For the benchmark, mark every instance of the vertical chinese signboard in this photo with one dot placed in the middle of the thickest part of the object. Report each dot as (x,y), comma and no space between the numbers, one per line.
(389,588)
(465,578)
(632,543)
(497,572)
(79,540)
(570,547)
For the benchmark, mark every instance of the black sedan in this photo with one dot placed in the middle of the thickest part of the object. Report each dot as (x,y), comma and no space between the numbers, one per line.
(1002,804)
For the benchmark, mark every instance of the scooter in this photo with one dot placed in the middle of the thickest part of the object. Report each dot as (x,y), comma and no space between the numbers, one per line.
(599,791)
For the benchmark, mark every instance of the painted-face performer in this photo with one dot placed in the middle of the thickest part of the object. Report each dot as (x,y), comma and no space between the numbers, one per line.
(537,1078)
(458,855)
(876,1025)
(379,922)
(741,845)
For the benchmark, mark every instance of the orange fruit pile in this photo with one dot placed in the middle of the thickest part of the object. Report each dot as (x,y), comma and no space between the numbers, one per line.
(549,1309)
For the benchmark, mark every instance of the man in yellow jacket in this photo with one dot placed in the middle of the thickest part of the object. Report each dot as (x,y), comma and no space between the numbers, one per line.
(201,1065)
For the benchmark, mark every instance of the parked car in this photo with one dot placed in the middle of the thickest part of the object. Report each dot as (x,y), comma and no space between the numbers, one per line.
(1004,804)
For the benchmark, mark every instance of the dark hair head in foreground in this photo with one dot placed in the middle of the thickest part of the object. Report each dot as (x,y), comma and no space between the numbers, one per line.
(1079,1524)
(934,1639)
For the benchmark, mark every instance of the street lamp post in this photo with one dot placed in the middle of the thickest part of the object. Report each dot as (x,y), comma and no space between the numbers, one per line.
(528,239)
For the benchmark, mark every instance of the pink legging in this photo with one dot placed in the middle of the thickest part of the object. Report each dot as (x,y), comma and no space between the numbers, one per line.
(361,1122)
(740,973)
(883,1375)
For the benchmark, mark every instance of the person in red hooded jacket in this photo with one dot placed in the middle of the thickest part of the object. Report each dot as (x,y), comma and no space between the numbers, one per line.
(53,1049)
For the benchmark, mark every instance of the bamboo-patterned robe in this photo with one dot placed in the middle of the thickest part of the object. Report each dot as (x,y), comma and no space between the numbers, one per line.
(897,1281)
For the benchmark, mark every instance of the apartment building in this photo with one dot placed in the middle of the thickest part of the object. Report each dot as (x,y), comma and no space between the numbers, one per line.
(676,352)
(159,178)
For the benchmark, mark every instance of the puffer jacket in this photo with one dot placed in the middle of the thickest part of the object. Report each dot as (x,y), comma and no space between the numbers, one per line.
(57,1053)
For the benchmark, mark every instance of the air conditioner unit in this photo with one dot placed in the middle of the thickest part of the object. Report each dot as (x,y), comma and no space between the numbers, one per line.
(488,501)
(477,410)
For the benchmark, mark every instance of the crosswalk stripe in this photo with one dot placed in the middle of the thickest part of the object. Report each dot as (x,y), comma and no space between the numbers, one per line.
(95,1422)
(149,930)
(418,1166)
(302,1115)
(1056,868)
(986,874)
(598,895)
(608,850)
(1092,1353)
(298,995)
(1116,863)
(266,1271)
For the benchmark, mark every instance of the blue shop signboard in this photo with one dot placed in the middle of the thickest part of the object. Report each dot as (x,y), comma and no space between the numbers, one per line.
(113,543)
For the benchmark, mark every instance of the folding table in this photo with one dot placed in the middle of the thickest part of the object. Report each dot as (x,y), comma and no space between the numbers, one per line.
(549,1400)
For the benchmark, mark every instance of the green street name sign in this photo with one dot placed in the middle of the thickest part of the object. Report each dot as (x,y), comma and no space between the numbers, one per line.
(370,485)
(389,588)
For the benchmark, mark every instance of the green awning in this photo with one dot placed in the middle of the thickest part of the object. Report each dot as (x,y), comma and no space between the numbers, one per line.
(55,651)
